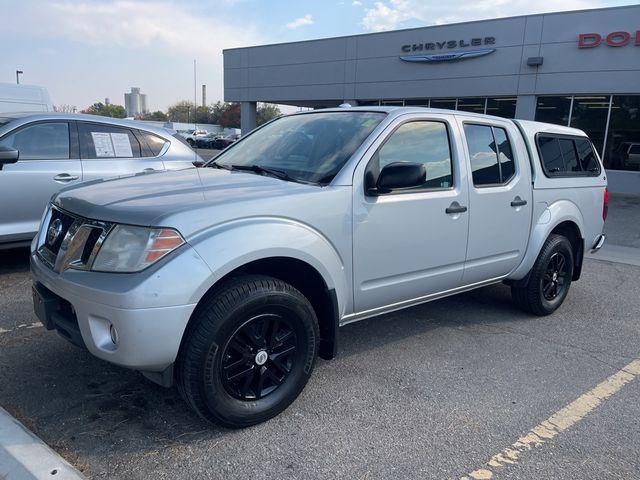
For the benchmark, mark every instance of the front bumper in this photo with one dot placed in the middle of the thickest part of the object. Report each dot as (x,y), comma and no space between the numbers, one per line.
(133,320)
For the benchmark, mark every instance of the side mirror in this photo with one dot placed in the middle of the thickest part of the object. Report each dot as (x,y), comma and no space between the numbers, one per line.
(400,175)
(8,155)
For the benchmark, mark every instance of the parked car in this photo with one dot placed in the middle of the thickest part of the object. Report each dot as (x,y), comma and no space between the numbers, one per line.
(231,279)
(206,141)
(630,155)
(192,135)
(24,98)
(43,153)
(221,143)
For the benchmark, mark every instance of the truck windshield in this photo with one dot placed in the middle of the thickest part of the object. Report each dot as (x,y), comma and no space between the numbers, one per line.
(309,147)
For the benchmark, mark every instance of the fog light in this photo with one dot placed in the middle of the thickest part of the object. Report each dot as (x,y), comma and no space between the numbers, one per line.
(114,334)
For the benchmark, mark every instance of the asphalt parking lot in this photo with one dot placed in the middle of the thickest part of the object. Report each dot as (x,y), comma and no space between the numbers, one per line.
(435,391)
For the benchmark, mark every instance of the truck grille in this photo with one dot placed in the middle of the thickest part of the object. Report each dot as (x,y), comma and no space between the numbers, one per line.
(66,240)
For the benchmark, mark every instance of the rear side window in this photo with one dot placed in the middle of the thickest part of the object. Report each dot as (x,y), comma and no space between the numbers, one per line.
(154,142)
(635,149)
(492,161)
(42,141)
(564,156)
(105,141)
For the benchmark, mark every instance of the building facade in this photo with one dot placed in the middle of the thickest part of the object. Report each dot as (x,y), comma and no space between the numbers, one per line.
(135,102)
(580,69)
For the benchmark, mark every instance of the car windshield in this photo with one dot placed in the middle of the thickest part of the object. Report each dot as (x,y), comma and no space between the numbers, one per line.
(309,147)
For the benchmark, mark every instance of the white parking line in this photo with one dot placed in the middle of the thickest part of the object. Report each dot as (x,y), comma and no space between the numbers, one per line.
(558,422)
(24,325)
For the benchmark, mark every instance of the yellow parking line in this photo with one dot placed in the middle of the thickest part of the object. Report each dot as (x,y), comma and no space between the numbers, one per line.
(558,422)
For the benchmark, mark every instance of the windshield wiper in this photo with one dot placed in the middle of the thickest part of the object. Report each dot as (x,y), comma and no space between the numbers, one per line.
(273,172)
(218,165)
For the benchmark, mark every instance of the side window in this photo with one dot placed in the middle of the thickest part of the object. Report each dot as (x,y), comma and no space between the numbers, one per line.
(492,161)
(425,142)
(154,142)
(42,141)
(567,156)
(104,141)
(635,149)
(587,157)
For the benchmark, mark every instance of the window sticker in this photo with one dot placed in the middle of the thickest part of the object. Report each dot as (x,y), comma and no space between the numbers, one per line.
(102,144)
(121,144)
(112,144)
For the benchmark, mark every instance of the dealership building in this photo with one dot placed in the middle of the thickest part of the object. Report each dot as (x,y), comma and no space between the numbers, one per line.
(579,68)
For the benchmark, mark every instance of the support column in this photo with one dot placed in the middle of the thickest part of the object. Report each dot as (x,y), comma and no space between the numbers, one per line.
(526,107)
(248,112)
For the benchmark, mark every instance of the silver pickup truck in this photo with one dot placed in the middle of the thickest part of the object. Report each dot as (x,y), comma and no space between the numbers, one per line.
(229,280)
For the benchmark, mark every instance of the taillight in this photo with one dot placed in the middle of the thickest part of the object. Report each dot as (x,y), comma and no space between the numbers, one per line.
(605,205)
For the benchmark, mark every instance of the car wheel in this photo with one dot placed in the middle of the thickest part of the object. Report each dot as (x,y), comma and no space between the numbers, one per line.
(549,279)
(190,141)
(248,352)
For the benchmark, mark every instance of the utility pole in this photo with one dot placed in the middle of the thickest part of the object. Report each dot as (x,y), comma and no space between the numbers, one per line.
(18,73)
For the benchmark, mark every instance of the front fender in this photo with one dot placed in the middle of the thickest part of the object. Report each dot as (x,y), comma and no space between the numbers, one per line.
(548,219)
(234,244)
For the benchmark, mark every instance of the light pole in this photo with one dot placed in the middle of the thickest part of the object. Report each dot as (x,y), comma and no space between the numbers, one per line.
(18,73)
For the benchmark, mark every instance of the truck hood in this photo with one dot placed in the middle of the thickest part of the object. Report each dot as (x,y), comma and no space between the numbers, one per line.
(155,199)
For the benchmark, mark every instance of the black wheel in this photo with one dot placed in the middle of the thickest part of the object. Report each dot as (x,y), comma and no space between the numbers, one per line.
(549,280)
(248,352)
(191,142)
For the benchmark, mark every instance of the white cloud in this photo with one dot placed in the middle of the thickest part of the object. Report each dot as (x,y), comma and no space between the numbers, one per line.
(392,14)
(299,22)
(356,3)
(135,25)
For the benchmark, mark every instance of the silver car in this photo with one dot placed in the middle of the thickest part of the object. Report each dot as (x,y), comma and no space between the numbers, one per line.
(42,153)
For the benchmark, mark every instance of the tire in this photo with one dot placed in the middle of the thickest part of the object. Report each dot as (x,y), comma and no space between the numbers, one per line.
(248,352)
(549,279)
(191,142)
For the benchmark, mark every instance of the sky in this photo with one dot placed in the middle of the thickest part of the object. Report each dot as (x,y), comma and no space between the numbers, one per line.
(86,51)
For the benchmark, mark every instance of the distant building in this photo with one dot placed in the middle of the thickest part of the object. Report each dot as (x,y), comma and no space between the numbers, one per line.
(135,102)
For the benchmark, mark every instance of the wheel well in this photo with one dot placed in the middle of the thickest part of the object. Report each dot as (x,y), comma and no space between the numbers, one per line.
(310,283)
(571,232)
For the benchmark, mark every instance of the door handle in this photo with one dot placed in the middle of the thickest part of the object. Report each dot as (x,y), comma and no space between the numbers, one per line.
(455,207)
(65,177)
(518,202)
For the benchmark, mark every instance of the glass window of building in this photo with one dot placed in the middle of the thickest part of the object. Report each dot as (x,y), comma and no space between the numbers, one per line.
(590,114)
(448,104)
(393,103)
(416,102)
(553,110)
(502,107)
(419,142)
(623,138)
(475,105)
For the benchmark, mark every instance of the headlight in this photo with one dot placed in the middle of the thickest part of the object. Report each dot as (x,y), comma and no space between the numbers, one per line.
(131,249)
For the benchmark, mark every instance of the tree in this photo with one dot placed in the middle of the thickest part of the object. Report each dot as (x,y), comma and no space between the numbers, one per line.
(157,116)
(116,111)
(65,108)
(230,117)
(266,112)
(182,111)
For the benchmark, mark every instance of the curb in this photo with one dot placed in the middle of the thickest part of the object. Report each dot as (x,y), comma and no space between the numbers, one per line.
(23,456)
(617,254)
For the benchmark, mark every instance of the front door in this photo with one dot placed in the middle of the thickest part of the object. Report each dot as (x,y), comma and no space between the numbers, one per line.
(48,161)
(410,243)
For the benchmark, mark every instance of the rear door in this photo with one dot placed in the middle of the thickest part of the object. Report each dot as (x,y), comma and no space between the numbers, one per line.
(500,198)
(48,161)
(112,151)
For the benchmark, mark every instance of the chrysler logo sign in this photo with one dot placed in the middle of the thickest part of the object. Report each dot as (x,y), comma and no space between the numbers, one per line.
(448,57)
(430,50)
